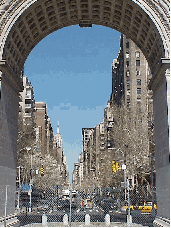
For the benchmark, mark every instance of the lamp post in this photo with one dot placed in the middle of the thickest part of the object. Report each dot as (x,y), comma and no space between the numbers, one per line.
(31,181)
(152,193)
(70,205)
(124,169)
(129,216)
(19,188)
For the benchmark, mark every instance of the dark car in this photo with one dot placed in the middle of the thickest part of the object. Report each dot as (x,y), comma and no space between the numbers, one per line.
(65,203)
(109,205)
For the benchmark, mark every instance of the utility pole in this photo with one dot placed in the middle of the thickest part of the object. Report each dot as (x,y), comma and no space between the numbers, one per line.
(129,218)
(28,149)
(70,206)
(124,169)
(31,182)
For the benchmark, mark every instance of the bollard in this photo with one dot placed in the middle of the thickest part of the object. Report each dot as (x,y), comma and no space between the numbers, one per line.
(65,220)
(87,220)
(107,220)
(44,220)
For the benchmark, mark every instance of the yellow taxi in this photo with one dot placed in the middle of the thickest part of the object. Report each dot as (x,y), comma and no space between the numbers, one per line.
(124,208)
(146,207)
(88,203)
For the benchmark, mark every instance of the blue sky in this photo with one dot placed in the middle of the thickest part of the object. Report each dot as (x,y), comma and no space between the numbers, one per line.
(71,71)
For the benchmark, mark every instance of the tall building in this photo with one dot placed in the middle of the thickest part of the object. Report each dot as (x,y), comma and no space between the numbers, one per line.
(58,146)
(130,77)
(27,102)
(80,161)
(75,176)
(26,126)
(58,154)
(86,132)
(41,124)
(118,75)
(49,136)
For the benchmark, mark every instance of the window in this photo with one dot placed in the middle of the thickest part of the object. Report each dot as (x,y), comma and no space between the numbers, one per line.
(127,73)
(139,101)
(128,92)
(137,62)
(127,55)
(127,63)
(138,81)
(127,45)
(128,82)
(138,72)
(137,54)
(139,91)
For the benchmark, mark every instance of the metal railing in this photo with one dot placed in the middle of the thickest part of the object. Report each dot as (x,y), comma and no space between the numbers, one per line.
(7,197)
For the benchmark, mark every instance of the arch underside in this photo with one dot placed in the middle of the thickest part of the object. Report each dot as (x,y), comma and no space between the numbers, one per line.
(46,16)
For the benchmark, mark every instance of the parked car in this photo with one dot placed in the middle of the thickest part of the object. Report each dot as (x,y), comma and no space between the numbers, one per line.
(146,207)
(124,208)
(109,205)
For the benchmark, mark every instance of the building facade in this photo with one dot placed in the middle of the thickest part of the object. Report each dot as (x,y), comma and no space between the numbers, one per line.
(27,102)
(41,120)
(130,78)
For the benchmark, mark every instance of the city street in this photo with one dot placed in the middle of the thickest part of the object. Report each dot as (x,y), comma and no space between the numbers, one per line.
(97,214)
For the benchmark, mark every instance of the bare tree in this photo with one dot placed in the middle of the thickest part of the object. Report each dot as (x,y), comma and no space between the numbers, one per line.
(26,139)
(130,139)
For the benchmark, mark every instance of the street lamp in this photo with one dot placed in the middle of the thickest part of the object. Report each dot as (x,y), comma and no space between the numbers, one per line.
(124,169)
(129,218)
(19,187)
(31,181)
(152,193)
(70,205)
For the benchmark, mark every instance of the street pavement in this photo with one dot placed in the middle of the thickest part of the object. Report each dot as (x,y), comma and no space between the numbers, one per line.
(97,217)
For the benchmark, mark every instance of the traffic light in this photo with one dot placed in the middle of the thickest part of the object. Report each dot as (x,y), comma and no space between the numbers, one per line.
(113,167)
(117,166)
(42,170)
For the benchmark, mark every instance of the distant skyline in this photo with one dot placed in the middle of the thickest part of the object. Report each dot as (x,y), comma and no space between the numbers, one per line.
(71,70)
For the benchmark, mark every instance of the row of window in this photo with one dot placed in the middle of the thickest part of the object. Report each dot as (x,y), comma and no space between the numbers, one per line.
(137,54)
(128,73)
(138,101)
(137,63)
(128,90)
(138,82)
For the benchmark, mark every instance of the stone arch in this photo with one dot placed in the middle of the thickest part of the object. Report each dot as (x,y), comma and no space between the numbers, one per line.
(33,20)
(23,23)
